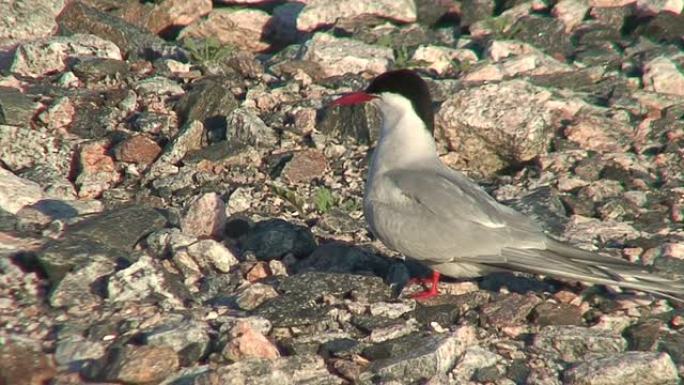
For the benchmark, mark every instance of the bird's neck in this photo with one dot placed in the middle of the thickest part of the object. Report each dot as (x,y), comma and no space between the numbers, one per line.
(404,142)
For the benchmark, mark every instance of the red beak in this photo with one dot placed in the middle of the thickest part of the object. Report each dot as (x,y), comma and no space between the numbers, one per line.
(352,98)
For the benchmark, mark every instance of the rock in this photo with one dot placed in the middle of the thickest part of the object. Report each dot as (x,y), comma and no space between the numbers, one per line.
(545,33)
(59,115)
(338,56)
(138,149)
(171,14)
(241,28)
(655,7)
(27,20)
(644,336)
(22,361)
(145,280)
(158,85)
(273,238)
(509,309)
(16,108)
(662,75)
(188,139)
(97,171)
(208,102)
(664,27)
(78,18)
(75,350)
(205,216)
(246,342)
(420,358)
(51,55)
(246,127)
(474,359)
(358,124)
(673,344)
(16,192)
(305,166)
(309,369)
(22,149)
(138,364)
(489,128)
(337,257)
(210,252)
(254,295)
(318,13)
(625,368)
(549,313)
(573,343)
(570,12)
(599,133)
(79,287)
(189,339)
(93,69)
(441,60)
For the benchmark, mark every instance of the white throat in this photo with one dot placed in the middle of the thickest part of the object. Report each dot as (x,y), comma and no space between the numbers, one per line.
(404,139)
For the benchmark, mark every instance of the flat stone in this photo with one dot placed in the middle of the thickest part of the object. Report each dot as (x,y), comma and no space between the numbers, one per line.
(318,13)
(22,361)
(138,149)
(338,56)
(549,313)
(50,55)
(246,127)
(234,27)
(305,166)
(508,309)
(626,368)
(78,287)
(16,192)
(213,253)
(662,75)
(138,364)
(246,342)
(254,295)
(273,238)
(208,102)
(16,108)
(574,343)
(421,358)
(28,20)
(189,339)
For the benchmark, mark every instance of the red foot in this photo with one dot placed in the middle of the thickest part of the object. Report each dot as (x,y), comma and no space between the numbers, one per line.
(432,291)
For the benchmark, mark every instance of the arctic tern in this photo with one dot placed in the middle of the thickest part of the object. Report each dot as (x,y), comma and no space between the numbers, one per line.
(431,213)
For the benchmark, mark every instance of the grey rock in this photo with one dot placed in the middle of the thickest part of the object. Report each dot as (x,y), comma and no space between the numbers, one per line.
(254,295)
(188,338)
(209,102)
(574,343)
(16,192)
(357,124)
(645,335)
(546,33)
(474,11)
(16,109)
(293,310)
(325,344)
(473,364)
(188,139)
(74,351)
(665,26)
(94,69)
(28,20)
(158,85)
(544,206)
(673,344)
(625,368)
(549,313)
(80,287)
(45,211)
(304,369)
(208,252)
(273,238)
(318,284)
(146,280)
(245,127)
(419,357)
(508,309)
(49,55)
(318,13)
(338,56)
(78,17)
(51,180)
(133,364)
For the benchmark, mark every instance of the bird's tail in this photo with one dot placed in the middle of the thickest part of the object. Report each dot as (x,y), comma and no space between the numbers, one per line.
(564,261)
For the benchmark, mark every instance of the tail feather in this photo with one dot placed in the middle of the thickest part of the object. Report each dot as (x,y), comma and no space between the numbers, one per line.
(567,262)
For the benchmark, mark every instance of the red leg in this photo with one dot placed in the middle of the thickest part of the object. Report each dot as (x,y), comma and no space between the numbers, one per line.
(432,291)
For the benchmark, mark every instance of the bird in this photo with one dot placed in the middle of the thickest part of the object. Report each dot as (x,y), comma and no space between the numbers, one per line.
(425,210)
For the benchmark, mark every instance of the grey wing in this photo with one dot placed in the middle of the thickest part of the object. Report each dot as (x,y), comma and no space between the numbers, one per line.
(440,216)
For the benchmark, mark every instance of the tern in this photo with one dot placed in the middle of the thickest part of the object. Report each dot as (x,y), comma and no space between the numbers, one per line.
(433,214)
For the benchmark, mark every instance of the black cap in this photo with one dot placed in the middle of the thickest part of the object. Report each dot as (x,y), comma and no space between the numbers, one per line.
(410,85)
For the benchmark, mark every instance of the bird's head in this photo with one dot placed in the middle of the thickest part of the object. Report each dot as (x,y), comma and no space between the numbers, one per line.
(395,92)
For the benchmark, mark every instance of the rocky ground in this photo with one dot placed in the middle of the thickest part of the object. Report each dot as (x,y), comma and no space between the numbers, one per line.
(178,205)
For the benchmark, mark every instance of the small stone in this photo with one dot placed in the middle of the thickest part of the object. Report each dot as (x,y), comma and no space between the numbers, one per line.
(240,199)
(205,216)
(189,339)
(338,56)
(474,358)
(76,288)
(442,59)
(509,309)
(139,364)
(257,272)
(246,342)
(97,170)
(298,369)
(272,239)
(242,28)
(599,133)
(305,166)
(213,253)
(50,55)
(59,115)
(570,12)
(175,13)
(22,361)
(16,108)
(16,192)
(662,75)
(254,295)
(246,127)
(318,13)
(643,368)
(137,149)
(158,85)
(572,343)
(549,313)
(28,20)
